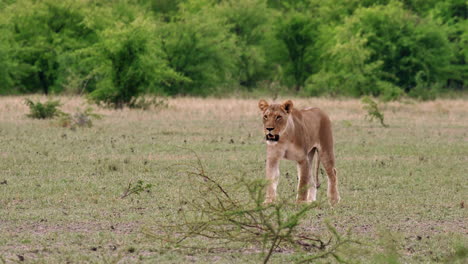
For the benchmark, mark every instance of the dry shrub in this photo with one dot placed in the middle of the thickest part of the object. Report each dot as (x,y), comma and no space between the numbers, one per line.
(81,118)
(211,215)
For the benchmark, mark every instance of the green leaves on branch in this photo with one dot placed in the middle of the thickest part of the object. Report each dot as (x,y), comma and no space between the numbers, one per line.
(137,188)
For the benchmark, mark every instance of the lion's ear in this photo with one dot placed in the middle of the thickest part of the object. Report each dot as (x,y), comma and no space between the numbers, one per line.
(262,104)
(287,106)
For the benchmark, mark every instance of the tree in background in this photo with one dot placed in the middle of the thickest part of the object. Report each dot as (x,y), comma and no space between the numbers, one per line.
(453,14)
(42,33)
(297,32)
(128,63)
(7,63)
(199,47)
(249,21)
(382,50)
(165,9)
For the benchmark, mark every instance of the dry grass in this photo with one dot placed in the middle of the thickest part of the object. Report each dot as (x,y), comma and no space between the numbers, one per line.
(61,200)
(455,111)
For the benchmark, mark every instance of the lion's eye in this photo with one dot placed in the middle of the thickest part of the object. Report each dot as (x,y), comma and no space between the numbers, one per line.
(265,117)
(278,118)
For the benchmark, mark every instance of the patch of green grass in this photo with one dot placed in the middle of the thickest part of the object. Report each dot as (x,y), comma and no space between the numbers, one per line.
(402,187)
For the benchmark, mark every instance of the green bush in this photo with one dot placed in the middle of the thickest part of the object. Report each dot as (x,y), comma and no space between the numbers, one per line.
(250,21)
(45,110)
(200,48)
(381,47)
(7,64)
(42,33)
(128,63)
(453,14)
(297,33)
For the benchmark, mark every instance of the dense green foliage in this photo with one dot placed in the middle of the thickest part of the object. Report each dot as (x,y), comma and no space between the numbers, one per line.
(117,50)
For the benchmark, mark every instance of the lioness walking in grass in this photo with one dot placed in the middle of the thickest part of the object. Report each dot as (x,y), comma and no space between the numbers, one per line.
(298,135)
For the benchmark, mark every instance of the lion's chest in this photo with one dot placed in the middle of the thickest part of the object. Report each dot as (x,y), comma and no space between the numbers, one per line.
(292,152)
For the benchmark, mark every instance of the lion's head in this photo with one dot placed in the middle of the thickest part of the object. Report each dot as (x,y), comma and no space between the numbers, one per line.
(275,118)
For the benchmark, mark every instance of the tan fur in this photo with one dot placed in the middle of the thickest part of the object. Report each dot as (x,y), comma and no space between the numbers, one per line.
(302,134)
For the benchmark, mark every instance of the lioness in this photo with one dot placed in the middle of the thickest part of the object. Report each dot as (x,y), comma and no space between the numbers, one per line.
(298,135)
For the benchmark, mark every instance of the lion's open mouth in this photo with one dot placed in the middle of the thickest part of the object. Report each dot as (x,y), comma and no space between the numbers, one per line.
(272,137)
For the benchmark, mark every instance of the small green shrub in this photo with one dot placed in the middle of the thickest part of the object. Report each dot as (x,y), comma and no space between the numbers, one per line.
(38,110)
(137,188)
(373,111)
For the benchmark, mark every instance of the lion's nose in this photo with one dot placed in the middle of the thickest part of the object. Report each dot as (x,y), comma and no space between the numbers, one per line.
(270,128)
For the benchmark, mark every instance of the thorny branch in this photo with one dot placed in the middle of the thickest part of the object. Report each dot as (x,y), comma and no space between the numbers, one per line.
(218,216)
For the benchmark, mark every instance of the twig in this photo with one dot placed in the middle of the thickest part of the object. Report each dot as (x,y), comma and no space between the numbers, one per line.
(127,191)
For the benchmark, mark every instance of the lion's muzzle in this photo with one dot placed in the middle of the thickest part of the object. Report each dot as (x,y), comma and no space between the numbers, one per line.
(272,137)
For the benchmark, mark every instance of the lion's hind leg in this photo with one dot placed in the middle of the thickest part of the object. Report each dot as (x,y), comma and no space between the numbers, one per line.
(328,162)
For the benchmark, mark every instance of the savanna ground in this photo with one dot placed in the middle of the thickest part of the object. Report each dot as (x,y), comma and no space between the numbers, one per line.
(403,187)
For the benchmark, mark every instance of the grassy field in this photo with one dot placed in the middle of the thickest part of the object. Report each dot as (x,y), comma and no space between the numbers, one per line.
(404,188)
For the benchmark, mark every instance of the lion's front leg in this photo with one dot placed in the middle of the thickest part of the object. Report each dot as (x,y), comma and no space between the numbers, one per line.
(304,181)
(272,176)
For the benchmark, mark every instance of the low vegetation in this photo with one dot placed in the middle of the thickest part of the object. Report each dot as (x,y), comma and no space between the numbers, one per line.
(46,110)
(209,210)
(403,187)
(373,111)
(50,110)
(81,118)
